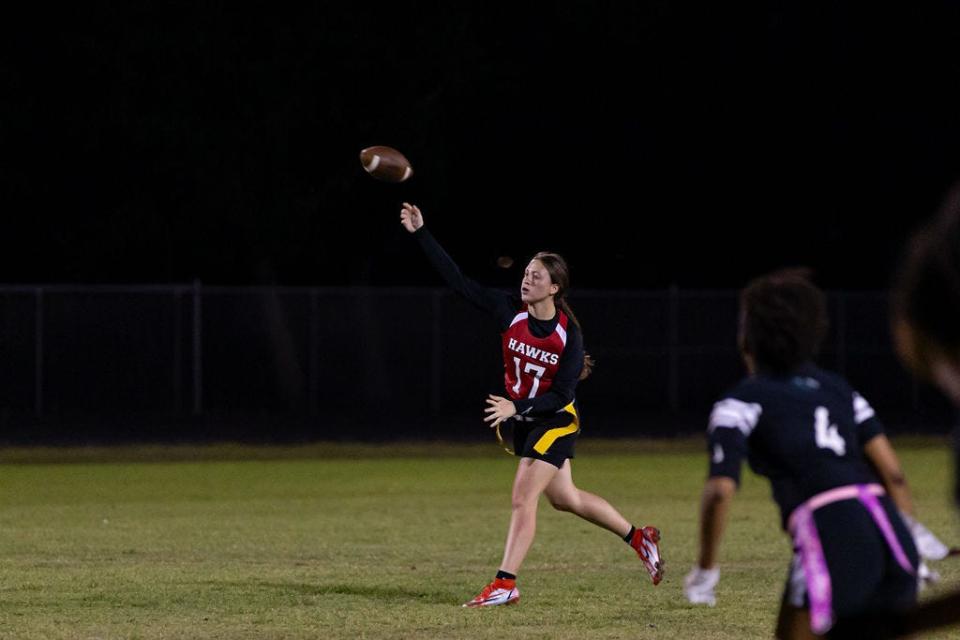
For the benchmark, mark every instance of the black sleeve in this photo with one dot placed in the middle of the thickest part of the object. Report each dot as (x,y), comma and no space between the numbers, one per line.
(731,421)
(727,448)
(494,301)
(868,425)
(564,384)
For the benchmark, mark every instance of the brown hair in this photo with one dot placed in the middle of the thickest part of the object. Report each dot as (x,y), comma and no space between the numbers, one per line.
(926,294)
(783,319)
(559,272)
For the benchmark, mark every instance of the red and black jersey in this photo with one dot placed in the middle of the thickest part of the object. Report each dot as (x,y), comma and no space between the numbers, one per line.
(530,364)
(536,397)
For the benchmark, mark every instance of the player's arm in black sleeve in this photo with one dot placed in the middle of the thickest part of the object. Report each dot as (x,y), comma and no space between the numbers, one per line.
(868,425)
(731,421)
(494,301)
(880,454)
(564,384)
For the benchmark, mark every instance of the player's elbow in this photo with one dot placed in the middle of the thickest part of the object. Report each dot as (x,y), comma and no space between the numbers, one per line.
(895,478)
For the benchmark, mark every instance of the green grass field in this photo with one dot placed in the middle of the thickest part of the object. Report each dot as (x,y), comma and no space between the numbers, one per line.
(371,542)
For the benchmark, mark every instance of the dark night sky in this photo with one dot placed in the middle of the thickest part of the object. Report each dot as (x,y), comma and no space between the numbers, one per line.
(653,143)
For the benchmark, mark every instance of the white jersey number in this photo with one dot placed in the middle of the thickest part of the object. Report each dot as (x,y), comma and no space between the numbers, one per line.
(827,436)
(528,368)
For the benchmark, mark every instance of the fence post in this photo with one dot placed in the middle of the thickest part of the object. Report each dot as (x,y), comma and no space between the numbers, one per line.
(841,333)
(197,349)
(313,363)
(436,355)
(38,353)
(177,352)
(673,342)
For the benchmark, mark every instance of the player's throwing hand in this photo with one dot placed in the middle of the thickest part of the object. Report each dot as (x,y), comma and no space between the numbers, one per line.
(410,217)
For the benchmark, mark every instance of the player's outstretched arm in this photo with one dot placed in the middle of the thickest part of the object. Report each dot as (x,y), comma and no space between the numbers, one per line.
(498,303)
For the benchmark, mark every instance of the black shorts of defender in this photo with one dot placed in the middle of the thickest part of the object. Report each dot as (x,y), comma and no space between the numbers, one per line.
(865,576)
(551,439)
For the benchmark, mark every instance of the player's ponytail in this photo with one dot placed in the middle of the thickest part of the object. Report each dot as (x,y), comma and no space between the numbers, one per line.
(587,358)
(559,272)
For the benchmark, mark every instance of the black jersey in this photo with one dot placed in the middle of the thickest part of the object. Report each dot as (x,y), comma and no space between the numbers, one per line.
(805,431)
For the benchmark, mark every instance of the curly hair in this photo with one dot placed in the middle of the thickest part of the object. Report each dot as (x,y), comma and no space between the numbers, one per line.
(783,319)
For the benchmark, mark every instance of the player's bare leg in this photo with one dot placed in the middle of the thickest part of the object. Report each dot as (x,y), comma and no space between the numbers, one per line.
(533,476)
(565,496)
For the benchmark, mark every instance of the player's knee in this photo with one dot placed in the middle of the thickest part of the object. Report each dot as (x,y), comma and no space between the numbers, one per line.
(564,502)
(520,502)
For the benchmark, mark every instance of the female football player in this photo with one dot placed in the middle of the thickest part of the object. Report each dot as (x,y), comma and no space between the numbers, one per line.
(543,359)
(835,476)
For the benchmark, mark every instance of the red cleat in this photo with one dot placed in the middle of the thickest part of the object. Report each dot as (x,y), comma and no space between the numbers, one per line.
(646,542)
(499,591)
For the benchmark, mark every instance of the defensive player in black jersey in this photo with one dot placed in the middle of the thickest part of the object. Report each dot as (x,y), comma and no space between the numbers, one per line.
(543,361)
(834,474)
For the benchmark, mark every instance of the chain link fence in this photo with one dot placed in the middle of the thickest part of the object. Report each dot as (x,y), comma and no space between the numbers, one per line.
(192,361)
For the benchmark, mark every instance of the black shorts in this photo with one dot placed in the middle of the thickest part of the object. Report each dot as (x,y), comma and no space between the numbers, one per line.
(864,575)
(551,439)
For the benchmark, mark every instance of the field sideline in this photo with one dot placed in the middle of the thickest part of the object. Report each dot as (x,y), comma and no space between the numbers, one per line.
(378,541)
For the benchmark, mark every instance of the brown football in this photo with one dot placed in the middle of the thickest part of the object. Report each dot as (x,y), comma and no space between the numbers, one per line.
(386,163)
